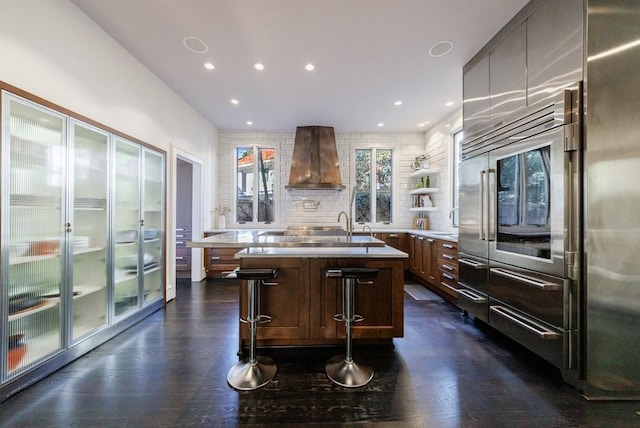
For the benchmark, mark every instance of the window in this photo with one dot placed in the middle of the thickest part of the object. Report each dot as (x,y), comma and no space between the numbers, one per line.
(374,182)
(455,168)
(251,175)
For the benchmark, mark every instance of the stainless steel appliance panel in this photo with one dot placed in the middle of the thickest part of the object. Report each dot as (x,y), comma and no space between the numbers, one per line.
(472,286)
(554,48)
(527,203)
(476,106)
(543,297)
(613,200)
(473,206)
(507,78)
(548,342)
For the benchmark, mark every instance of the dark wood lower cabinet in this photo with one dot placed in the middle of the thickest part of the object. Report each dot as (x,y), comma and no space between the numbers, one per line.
(304,301)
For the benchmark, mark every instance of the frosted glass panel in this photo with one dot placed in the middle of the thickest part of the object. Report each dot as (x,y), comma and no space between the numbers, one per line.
(33,232)
(153,221)
(127,227)
(90,228)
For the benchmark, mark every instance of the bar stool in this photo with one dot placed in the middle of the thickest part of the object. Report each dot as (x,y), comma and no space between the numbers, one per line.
(256,371)
(341,369)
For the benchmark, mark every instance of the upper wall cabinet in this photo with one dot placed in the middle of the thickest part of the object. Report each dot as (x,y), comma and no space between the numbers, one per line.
(554,48)
(541,54)
(508,76)
(476,108)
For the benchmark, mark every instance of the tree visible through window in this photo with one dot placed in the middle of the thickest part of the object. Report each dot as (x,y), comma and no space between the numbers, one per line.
(252,175)
(374,182)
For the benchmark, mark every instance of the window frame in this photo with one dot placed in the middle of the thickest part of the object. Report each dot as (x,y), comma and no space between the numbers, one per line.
(255,147)
(394,181)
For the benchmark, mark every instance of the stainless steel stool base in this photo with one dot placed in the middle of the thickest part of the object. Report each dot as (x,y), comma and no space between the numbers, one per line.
(348,374)
(245,376)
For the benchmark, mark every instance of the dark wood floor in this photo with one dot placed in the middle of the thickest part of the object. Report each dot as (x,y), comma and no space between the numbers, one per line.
(170,371)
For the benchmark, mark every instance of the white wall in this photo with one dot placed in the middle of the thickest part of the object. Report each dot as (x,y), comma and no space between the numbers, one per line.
(439,142)
(51,49)
(291,210)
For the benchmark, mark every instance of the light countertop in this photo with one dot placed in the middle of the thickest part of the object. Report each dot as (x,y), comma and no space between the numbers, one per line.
(386,252)
(263,239)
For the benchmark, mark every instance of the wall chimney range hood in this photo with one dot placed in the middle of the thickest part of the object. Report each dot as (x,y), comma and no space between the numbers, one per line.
(315,165)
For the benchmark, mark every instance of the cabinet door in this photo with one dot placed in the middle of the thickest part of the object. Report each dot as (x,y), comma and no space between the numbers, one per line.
(153,226)
(33,234)
(554,48)
(89,229)
(429,264)
(508,76)
(286,302)
(476,108)
(380,302)
(126,214)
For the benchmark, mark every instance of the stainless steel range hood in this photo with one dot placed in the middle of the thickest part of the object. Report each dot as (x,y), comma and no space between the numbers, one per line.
(315,164)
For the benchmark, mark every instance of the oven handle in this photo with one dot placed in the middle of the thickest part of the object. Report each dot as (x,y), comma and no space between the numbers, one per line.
(481,235)
(472,263)
(492,210)
(529,280)
(471,296)
(533,327)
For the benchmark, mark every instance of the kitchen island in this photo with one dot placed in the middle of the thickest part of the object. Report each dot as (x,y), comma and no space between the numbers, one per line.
(304,301)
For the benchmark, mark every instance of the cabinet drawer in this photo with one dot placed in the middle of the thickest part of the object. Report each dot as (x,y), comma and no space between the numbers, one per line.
(448,266)
(448,283)
(447,247)
(221,255)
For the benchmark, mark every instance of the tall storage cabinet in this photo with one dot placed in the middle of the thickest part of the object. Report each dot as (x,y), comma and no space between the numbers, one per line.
(82,234)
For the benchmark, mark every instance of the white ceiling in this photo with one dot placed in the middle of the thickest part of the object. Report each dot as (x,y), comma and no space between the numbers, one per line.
(367,53)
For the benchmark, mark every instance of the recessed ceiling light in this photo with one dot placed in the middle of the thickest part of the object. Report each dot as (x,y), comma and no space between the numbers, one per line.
(309,67)
(258,66)
(249,123)
(447,125)
(380,125)
(194,44)
(397,103)
(449,104)
(421,124)
(441,48)
(209,66)
(235,101)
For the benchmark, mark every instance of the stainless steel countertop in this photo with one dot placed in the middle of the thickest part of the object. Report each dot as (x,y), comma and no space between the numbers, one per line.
(262,239)
(324,252)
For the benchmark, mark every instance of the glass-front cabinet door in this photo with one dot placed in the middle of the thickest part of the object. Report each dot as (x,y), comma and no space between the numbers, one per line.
(127,220)
(33,233)
(89,229)
(153,221)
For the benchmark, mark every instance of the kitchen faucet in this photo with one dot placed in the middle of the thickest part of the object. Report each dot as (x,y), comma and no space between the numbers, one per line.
(349,226)
(365,227)
(346,215)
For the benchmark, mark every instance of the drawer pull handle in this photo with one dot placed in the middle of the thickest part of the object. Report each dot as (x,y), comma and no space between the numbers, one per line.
(448,267)
(179,258)
(472,263)
(449,277)
(393,235)
(179,242)
(449,246)
(179,236)
(448,257)
(215,258)
(471,296)
(529,280)
(430,240)
(530,325)
(449,287)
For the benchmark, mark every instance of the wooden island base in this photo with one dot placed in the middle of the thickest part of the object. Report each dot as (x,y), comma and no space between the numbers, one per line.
(304,301)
